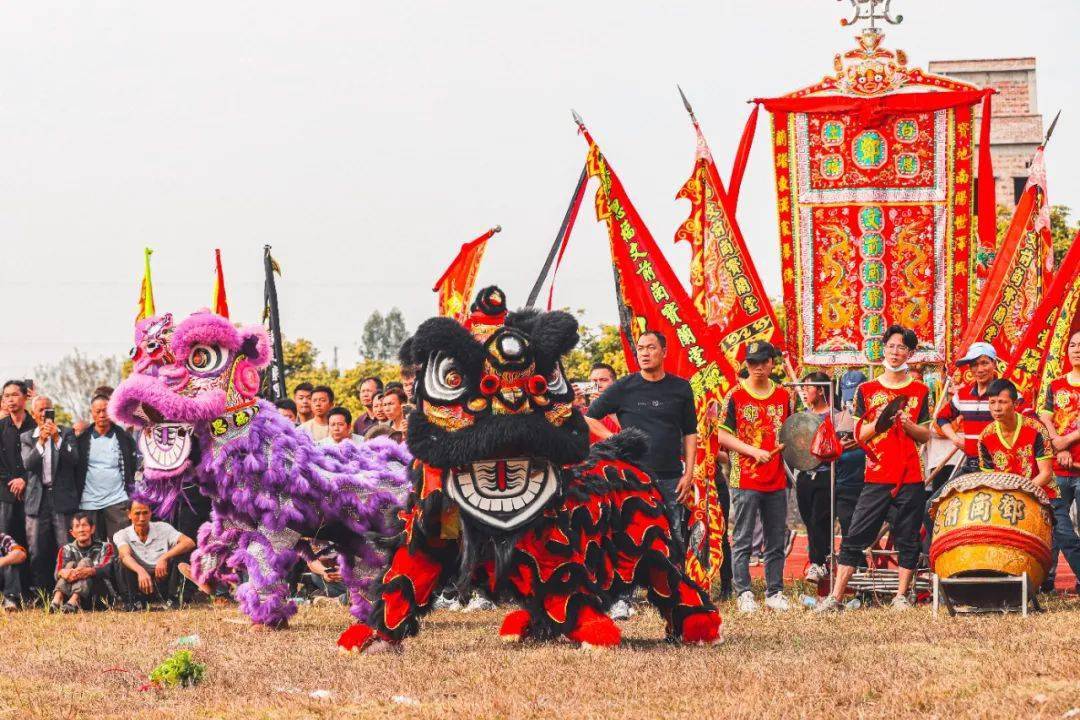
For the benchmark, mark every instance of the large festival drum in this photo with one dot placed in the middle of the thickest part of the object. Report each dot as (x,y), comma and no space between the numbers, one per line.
(991,524)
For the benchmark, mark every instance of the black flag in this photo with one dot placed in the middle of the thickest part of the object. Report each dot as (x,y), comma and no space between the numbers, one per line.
(274,381)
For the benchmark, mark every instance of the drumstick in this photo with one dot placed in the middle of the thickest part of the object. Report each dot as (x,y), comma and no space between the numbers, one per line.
(941,398)
(944,462)
(789,369)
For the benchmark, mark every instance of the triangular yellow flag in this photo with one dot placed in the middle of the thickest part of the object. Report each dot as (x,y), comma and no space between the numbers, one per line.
(146,291)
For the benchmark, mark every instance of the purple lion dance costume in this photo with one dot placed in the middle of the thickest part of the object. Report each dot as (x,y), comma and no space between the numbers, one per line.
(271,487)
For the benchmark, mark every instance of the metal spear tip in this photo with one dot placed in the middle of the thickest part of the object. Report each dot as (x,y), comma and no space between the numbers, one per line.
(1053,124)
(497,228)
(685,102)
(577,118)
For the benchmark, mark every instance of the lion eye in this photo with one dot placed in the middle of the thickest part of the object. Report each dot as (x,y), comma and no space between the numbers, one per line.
(443,380)
(206,359)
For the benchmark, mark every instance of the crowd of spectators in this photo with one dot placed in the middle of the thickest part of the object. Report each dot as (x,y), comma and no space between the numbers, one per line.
(75,536)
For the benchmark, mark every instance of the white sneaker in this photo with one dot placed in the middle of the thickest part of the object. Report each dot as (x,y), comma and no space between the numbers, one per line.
(828,605)
(746,602)
(479,602)
(816,573)
(444,603)
(621,610)
(777,602)
(901,603)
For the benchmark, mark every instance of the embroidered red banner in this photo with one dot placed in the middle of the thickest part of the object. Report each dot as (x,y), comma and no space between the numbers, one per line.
(455,287)
(724,283)
(1042,356)
(874,184)
(650,296)
(1019,276)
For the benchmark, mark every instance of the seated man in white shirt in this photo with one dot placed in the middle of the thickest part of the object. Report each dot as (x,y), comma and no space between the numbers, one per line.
(148,553)
(340,420)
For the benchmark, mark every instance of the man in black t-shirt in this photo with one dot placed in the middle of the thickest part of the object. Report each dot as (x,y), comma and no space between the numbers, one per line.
(661,406)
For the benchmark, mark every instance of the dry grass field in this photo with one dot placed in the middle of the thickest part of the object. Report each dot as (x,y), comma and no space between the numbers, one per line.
(871,663)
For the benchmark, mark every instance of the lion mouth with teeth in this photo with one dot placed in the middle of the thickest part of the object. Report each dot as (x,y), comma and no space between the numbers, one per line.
(184,381)
(495,408)
(165,447)
(505,494)
(509,499)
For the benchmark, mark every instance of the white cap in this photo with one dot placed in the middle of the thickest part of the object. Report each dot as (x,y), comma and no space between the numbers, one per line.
(978,350)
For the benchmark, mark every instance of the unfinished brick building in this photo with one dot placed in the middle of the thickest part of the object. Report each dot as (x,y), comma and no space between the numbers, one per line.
(1017,127)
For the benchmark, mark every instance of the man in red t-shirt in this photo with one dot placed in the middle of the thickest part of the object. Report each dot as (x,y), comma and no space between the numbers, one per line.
(1061,416)
(1015,444)
(753,412)
(894,474)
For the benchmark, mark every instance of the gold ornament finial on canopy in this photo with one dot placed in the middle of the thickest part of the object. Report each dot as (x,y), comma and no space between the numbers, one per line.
(869,69)
(872,10)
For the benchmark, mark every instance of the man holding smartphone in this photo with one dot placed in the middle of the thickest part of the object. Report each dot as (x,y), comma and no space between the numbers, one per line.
(50,456)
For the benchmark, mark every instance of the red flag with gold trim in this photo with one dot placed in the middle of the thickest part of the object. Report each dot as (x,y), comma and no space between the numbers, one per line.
(220,303)
(1020,274)
(724,282)
(1042,350)
(455,286)
(650,296)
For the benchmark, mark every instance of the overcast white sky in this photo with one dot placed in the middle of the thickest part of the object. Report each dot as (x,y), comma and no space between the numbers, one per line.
(366,141)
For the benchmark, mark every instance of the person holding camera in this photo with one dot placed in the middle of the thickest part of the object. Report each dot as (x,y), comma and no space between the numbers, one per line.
(50,456)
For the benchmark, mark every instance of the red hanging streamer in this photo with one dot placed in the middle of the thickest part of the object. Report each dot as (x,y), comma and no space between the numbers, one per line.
(742,155)
(987,207)
(574,207)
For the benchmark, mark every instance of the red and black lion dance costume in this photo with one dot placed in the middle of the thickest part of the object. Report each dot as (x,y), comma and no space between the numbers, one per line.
(508,496)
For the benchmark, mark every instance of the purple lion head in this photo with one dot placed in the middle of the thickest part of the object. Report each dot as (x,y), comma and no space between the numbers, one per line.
(186,377)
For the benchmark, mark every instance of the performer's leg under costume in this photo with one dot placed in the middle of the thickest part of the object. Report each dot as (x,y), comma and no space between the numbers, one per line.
(268,556)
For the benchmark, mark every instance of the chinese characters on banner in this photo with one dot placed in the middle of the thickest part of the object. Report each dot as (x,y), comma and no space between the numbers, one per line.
(650,296)
(1020,274)
(1042,355)
(875,183)
(724,283)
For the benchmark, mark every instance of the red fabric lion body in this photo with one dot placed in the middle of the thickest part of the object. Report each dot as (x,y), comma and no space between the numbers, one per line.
(509,499)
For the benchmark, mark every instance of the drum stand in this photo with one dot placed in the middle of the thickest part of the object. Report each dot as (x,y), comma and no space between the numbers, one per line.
(875,581)
(942,586)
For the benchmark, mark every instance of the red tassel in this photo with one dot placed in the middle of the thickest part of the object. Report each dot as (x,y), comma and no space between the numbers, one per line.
(701,628)
(595,629)
(515,626)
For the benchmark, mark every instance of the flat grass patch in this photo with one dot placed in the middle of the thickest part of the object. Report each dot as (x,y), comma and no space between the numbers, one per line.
(872,663)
